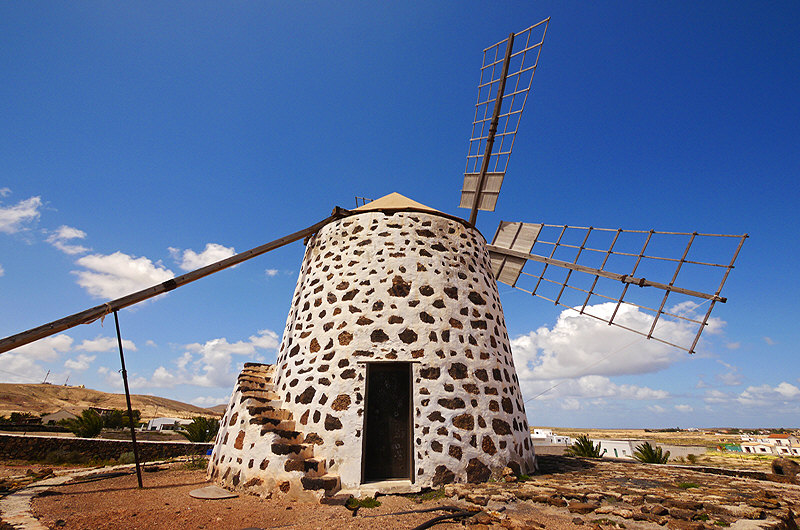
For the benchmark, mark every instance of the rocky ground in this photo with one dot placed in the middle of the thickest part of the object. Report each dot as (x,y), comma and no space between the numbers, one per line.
(631,495)
(568,493)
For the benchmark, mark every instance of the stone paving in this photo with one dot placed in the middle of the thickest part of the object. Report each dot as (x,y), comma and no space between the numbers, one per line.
(607,494)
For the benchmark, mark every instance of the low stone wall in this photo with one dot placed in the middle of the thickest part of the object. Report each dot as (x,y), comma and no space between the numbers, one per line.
(16,447)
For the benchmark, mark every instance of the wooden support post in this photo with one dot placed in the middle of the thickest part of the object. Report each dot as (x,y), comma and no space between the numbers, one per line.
(128,399)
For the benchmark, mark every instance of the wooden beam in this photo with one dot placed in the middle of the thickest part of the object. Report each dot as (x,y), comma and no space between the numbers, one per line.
(624,278)
(498,103)
(90,315)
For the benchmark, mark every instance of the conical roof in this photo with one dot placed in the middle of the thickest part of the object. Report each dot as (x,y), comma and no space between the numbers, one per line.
(394,201)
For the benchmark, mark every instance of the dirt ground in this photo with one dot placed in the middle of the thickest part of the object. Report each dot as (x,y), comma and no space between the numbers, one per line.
(165,503)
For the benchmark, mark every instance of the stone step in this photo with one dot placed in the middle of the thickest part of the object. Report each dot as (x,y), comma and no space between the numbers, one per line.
(329,483)
(263,366)
(269,410)
(311,466)
(247,387)
(272,423)
(249,384)
(256,376)
(262,395)
(296,450)
(284,436)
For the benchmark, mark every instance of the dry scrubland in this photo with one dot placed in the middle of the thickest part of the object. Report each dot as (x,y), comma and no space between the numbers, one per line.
(45,399)
(704,438)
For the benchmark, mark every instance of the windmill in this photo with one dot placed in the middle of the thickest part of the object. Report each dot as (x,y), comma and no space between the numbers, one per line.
(395,370)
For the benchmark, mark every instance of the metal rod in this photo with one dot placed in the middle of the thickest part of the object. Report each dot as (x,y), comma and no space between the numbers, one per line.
(636,266)
(719,289)
(599,295)
(575,262)
(602,266)
(492,130)
(128,400)
(544,269)
(92,314)
(627,279)
(671,283)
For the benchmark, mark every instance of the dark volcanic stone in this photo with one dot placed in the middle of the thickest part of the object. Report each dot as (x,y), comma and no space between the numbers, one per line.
(332,423)
(477,471)
(399,287)
(443,476)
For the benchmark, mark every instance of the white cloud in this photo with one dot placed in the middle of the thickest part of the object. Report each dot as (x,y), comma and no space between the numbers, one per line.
(211,364)
(22,364)
(578,345)
(587,388)
(716,396)
(210,401)
(118,274)
(656,409)
(61,237)
(684,408)
(730,378)
(46,349)
(149,343)
(787,390)
(80,363)
(733,345)
(190,260)
(2,271)
(13,218)
(162,378)
(104,344)
(766,395)
(271,272)
(4,192)
(769,341)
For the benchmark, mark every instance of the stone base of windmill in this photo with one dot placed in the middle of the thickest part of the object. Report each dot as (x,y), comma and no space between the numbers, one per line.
(259,450)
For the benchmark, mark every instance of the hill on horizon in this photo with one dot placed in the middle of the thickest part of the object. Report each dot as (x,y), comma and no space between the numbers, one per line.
(45,399)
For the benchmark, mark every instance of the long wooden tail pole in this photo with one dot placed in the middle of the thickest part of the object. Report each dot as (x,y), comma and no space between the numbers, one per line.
(498,103)
(92,314)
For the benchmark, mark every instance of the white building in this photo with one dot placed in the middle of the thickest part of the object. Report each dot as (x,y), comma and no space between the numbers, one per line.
(773,444)
(166,424)
(547,437)
(618,448)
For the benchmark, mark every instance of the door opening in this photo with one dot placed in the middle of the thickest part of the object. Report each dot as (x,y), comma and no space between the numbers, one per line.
(387,429)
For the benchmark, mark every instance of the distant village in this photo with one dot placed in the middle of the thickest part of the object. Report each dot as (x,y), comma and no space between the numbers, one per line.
(765,442)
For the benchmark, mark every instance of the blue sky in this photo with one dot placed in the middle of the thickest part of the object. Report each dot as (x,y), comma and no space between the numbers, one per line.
(138,141)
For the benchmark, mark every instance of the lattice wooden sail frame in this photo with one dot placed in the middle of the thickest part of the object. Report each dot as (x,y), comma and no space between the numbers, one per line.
(505,82)
(571,263)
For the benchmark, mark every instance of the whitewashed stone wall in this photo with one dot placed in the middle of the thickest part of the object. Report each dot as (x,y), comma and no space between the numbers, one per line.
(413,287)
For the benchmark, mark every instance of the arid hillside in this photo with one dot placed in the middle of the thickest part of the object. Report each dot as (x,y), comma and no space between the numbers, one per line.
(44,399)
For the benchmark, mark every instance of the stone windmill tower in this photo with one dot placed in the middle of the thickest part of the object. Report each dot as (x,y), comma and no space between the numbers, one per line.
(395,364)
(395,371)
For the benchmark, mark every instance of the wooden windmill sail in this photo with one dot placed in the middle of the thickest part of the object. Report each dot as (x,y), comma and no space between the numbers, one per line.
(584,265)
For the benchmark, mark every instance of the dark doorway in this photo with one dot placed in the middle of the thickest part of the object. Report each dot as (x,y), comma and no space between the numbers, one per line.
(387,437)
